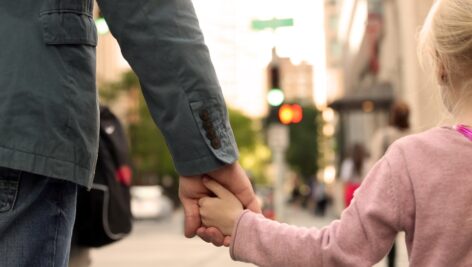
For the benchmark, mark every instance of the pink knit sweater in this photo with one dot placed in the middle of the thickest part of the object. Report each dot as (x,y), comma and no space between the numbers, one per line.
(422,186)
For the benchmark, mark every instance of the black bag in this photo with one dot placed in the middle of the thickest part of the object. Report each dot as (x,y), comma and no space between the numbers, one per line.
(104,213)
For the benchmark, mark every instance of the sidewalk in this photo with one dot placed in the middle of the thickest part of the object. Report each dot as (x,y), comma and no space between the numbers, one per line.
(161,243)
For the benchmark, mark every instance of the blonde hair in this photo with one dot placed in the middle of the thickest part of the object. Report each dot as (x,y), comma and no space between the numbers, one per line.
(445,43)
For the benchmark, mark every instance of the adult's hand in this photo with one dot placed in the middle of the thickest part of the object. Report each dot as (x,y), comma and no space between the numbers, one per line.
(191,189)
(233,178)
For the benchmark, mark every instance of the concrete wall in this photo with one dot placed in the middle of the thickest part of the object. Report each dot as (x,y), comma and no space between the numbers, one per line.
(402,20)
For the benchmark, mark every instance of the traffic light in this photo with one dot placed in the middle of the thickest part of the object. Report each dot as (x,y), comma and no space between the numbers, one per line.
(280,112)
(274,76)
(290,114)
(275,96)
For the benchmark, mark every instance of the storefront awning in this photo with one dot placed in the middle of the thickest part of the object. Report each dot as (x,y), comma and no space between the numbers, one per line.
(378,97)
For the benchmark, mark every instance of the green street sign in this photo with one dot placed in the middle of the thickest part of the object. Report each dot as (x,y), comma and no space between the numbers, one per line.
(271,24)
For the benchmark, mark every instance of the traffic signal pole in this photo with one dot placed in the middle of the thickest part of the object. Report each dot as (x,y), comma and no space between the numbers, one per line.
(278,137)
(278,133)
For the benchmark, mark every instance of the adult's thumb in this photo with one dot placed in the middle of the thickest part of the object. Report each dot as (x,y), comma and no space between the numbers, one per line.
(192,218)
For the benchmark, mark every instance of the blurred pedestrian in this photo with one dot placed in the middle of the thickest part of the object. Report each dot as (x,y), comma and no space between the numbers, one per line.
(295,195)
(320,197)
(422,185)
(49,114)
(352,172)
(398,127)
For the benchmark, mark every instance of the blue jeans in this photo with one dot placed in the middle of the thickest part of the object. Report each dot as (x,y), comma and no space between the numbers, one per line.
(37,215)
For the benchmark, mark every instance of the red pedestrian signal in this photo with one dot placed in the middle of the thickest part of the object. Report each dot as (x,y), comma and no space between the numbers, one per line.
(297,113)
(290,114)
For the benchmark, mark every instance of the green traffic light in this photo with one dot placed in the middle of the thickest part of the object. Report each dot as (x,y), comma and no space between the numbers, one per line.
(275,97)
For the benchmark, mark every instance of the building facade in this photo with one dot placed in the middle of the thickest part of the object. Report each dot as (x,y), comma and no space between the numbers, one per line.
(296,80)
(379,63)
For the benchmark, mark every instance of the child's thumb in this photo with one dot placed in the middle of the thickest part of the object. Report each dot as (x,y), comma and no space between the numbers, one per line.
(216,188)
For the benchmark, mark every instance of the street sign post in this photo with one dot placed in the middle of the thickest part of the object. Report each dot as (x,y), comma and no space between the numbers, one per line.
(278,134)
(271,24)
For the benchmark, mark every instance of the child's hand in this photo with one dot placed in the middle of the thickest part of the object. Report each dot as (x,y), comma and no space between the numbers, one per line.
(221,211)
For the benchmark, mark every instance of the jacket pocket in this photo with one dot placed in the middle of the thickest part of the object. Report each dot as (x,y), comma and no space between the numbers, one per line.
(68,27)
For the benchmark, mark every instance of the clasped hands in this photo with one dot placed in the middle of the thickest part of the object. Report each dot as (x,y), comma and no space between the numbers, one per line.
(213,202)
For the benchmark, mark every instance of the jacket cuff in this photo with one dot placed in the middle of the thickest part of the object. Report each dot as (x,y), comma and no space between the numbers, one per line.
(203,165)
(213,137)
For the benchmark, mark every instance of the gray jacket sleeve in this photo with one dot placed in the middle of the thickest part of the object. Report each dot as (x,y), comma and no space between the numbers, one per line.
(162,41)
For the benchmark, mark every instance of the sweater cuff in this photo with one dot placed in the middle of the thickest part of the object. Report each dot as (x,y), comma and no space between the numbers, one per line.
(240,227)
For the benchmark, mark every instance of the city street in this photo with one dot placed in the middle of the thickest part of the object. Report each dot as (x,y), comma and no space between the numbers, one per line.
(161,243)
(345,120)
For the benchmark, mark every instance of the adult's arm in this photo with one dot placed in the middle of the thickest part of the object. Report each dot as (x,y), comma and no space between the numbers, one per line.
(162,41)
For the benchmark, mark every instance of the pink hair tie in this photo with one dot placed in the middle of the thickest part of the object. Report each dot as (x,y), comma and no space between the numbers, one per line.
(464,130)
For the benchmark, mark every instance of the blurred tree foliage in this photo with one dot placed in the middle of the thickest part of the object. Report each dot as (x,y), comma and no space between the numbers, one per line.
(254,154)
(303,154)
(149,152)
(150,155)
(110,91)
(243,129)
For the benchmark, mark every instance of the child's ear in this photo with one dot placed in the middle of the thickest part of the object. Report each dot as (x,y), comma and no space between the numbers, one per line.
(443,76)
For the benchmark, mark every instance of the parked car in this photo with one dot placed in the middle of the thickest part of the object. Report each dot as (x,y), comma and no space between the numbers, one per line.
(149,202)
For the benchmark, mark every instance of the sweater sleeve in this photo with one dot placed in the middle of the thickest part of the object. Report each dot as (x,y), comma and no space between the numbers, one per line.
(362,236)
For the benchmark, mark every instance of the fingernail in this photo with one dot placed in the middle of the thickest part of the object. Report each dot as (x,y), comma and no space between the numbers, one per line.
(205,179)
